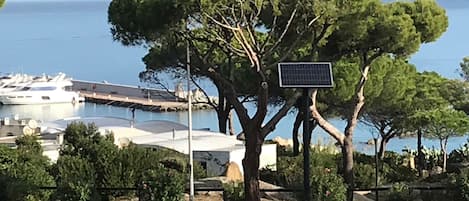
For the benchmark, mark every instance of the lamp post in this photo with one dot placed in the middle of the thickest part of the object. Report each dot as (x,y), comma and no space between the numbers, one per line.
(375,140)
(189,131)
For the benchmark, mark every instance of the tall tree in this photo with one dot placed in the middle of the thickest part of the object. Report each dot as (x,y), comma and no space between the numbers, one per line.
(387,111)
(24,170)
(444,123)
(428,96)
(1,3)
(372,29)
(246,31)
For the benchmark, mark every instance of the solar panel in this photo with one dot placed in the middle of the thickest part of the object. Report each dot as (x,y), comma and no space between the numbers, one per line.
(305,75)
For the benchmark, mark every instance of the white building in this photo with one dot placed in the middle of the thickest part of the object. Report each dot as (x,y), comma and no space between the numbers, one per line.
(212,149)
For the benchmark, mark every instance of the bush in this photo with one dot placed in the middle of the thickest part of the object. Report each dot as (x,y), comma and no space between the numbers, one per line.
(233,191)
(75,179)
(460,155)
(400,192)
(462,185)
(327,185)
(398,173)
(161,184)
(364,175)
(23,170)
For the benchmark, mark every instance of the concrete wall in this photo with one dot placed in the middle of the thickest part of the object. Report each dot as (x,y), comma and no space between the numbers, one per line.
(216,161)
(269,156)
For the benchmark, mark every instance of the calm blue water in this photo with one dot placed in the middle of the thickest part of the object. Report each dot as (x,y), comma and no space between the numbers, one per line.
(50,36)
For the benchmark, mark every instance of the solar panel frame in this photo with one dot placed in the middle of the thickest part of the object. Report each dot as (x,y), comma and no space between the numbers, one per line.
(307,75)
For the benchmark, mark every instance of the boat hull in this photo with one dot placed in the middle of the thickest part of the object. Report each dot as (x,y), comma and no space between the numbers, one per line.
(28,99)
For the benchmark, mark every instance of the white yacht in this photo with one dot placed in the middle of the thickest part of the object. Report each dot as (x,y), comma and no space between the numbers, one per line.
(14,82)
(55,90)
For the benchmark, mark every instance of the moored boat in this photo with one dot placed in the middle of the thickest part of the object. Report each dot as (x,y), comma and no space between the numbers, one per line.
(42,91)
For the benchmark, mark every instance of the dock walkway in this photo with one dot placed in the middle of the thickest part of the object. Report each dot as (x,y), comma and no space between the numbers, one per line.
(131,96)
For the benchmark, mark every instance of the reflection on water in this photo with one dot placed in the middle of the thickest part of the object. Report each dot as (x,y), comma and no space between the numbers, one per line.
(41,112)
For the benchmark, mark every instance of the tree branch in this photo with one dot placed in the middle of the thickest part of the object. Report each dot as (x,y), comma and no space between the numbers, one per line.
(283,33)
(209,101)
(323,123)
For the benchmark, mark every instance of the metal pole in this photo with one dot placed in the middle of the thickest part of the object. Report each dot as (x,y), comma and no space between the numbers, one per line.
(376,169)
(306,147)
(189,113)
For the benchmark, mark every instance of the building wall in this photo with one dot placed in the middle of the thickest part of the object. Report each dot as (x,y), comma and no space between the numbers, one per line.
(214,161)
(269,156)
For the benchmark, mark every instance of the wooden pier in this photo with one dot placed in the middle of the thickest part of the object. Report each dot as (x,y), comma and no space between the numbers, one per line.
(132,97)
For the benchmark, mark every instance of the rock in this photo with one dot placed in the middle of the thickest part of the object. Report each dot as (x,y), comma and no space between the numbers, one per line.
(370,142)
(283,142)
(233,172)
(436,170)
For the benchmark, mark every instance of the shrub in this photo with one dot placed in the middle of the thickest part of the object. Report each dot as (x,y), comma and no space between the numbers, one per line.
(365,175)
(327,185)
(460,155)
(233,191)
(400,192)
(462,185)
(23,170)
(75,179)
(398,173)
(161,184)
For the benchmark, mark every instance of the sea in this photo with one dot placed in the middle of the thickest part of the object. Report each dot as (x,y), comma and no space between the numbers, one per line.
(73,36)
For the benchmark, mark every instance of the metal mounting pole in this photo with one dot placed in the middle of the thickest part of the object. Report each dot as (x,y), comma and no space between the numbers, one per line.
(306,147)
(376,169)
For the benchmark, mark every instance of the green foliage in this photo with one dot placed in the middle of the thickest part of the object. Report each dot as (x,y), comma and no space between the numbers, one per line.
(23,170)
(92,153)
(464,72)
(395,167)
(364,175)
(161,184)
(325,182)
(398,173)
(233,191)
(446,123)
(400,192)
(432,157)
(1,3)
(460,155)
(199,171)
(75,179)
(462,185)
(327,185)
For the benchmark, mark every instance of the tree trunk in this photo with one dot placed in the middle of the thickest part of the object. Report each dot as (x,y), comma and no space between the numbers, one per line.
(349,130)
(230,123)
(221,111)
(443,143)
(420,153)
(296,127)
(222,121)
(251,163)
(382,148)
(347,155)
